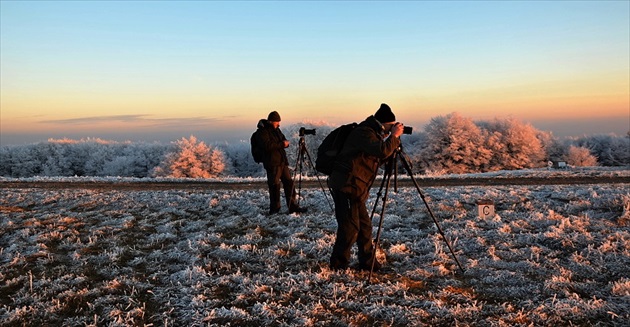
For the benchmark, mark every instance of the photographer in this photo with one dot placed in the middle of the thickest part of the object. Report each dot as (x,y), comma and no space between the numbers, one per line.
(366,148)
(273,143)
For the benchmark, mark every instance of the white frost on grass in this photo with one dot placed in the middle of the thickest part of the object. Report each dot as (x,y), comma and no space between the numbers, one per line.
(552,255)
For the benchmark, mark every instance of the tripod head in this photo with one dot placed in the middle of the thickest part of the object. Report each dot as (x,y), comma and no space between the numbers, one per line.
(391,164)
(304,131)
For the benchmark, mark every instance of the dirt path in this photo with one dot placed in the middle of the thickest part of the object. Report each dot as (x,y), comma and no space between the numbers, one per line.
(403,182)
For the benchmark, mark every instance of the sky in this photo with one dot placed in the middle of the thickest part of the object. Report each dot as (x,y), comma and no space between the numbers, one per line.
(163,70)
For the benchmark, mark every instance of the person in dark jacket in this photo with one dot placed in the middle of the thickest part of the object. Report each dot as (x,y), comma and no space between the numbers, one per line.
(276,164)
(367,147)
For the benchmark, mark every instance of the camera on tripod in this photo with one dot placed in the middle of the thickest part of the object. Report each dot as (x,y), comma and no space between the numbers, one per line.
(306,131)
(406,129)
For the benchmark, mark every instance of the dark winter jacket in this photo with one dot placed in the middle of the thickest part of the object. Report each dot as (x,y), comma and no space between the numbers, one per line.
(272,140)
(362,154)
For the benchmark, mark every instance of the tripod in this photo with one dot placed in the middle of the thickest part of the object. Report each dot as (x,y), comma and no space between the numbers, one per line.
(389,166)
(300,160)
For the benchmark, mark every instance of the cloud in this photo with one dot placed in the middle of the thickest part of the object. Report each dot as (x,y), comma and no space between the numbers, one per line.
(142,120)
(96,119)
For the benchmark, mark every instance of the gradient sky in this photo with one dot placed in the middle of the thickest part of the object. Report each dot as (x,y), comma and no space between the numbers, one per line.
(161,70)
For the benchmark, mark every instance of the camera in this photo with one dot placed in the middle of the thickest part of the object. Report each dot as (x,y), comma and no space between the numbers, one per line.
(306,131)
(407,130)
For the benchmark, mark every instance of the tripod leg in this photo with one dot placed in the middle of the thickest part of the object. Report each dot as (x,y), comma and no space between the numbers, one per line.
(408,169)
(395,167)
(297,165)
(310,160)
(378,194)
(385,183)
(299,192)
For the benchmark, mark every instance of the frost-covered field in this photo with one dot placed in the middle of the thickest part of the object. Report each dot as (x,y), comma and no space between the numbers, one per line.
(551,256)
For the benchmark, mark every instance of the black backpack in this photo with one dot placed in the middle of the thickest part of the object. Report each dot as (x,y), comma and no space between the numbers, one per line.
(258,150)
(331,147)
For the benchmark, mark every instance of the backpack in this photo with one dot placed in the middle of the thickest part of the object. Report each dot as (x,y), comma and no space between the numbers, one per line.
(331,146)
(258,151)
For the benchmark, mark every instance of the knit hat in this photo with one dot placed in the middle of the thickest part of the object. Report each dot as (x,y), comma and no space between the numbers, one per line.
(273,116)
(384,114)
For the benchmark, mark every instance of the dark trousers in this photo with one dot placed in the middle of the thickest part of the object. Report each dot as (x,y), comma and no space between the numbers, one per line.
(276,175)
(353,226)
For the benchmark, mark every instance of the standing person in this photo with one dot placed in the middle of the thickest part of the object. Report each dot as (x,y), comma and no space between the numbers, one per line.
(366,148)
(276,164)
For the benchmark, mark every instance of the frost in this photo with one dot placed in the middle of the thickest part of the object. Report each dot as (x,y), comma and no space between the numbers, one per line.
(552,255)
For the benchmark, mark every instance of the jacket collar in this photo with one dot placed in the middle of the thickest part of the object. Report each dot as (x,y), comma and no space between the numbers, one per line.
(263,123)
(374,124)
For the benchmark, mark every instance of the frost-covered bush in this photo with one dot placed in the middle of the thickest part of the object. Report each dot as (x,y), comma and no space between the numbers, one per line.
(611,150)
(448,144)
(455,144)
(193,159)
(580,156)
(134,160)
(5,161)
(240,161)
(514,145)
(412,147)
(86,157)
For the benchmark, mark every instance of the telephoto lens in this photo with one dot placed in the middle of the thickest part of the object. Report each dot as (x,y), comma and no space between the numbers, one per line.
(306,131)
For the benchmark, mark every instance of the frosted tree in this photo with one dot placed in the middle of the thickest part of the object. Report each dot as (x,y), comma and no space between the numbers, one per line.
(216,164)
(514,145)
(555,148)
(412,146)
(100,153)
(619,154)
(241,163)
(454,144)
(551,147)
(82,155)
(193,159)
(580,156)
(5,161)
(26,161)
(611,150)
(58,159)
(134,160)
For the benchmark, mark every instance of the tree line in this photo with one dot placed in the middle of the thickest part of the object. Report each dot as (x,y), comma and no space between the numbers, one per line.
(449,144)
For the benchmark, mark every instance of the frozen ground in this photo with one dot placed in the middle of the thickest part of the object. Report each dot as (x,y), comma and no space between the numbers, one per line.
(552,255)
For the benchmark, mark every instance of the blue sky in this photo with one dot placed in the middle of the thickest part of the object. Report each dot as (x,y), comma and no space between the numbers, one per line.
(162,70)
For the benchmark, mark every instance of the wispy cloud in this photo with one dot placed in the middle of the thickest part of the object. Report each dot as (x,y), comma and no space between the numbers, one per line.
(143,120)
(96,119)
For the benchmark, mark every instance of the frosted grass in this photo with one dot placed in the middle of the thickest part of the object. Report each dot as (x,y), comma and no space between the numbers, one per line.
(552,255)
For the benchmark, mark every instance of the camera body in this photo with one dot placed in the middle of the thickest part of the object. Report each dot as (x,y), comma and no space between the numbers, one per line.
(306,131)
(407,130)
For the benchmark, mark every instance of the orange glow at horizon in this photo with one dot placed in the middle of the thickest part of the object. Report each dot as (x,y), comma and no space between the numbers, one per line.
(604,96)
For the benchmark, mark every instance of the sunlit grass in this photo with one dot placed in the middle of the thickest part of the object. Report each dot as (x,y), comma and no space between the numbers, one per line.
(552,255)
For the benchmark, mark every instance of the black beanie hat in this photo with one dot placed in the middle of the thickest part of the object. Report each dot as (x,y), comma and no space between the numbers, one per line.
(273,116)
(384,114)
